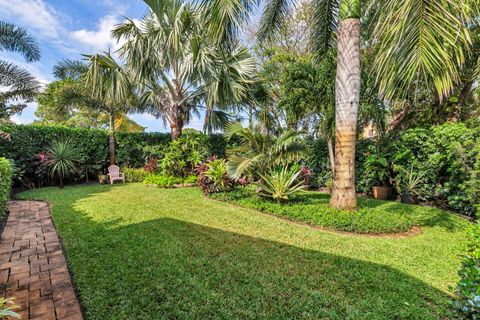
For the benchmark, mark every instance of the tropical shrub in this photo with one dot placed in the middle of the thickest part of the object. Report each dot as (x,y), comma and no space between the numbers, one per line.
(213,176)
(183,155)
(376,167)
(467,302)
(162,181)
(280,184)
(134,175)
(6,173)
(258,153)
(61,158)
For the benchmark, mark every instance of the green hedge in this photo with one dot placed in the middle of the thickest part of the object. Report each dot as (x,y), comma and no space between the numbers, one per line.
(448,156)
(5,183)
(467,302)
(133,150)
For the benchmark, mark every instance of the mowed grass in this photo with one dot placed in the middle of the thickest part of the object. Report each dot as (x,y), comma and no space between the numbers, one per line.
(148,253)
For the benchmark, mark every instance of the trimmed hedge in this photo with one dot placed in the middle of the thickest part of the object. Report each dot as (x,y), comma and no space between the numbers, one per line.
(133,150)
(5,183)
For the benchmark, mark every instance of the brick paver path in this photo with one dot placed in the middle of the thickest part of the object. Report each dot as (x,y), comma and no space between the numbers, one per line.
(33,267)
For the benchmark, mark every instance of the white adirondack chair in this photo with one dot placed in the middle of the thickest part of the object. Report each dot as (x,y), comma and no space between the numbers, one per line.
(115,174)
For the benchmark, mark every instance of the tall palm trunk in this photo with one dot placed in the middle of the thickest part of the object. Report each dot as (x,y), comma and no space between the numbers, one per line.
(347,98)
(111,137)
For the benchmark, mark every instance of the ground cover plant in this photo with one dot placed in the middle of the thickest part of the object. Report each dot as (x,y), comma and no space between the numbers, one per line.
(134,254)
(372,216)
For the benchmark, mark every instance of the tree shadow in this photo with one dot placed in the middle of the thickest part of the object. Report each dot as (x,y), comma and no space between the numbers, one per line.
(173,269)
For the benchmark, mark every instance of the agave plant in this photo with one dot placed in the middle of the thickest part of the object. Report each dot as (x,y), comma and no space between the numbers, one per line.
(279,185)
(61,159)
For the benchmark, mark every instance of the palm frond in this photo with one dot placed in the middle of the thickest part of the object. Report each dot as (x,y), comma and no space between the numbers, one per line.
(420,40)
(19,82)
(16,39)
(273,17)
(326,23)
(68,68)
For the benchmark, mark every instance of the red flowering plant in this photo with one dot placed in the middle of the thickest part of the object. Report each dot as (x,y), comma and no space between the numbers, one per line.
(306,174)
(213,177)
(152,166)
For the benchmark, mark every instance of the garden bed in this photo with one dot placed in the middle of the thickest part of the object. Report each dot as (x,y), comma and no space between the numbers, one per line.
(373,216)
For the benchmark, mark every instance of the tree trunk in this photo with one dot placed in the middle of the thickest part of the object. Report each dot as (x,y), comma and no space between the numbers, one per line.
(60,182)
(347,89)
(331,155)
(111,138)
(462,97)
(176,128)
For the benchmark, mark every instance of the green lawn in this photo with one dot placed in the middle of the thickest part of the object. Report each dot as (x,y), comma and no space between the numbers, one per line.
(147,253)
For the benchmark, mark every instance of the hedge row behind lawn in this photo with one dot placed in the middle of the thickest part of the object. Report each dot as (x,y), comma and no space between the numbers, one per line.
(5,183)
(133,150)
(447,156)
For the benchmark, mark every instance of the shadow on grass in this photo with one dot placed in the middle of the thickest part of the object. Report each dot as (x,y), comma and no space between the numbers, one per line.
(172,269)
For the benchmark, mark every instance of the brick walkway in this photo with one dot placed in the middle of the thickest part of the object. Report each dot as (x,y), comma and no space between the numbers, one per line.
(33,267)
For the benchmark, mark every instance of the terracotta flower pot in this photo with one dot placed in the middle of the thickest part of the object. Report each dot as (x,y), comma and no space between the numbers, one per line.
(381,193)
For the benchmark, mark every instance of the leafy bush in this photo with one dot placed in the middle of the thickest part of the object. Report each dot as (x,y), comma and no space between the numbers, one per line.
(213,176)
(467,303)
(134,175)
(162,181)
(61,158)
(6,173)
(281,184)
(184,154)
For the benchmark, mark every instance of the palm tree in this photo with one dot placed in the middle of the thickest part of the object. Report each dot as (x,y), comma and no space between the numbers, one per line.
(112,89)
(178,67)
(261,151)
(20,83)
(414,40)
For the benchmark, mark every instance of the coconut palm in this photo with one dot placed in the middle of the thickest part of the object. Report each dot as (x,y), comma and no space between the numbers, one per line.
(413,40)
(111,88)
(178,67)
(20,84)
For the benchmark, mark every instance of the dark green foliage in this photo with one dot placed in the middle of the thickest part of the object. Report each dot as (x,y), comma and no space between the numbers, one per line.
(6,173)
(28,142)
(133,150)
(467,303)
(447,157)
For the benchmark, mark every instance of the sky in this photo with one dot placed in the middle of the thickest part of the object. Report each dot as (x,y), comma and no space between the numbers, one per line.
(67,29)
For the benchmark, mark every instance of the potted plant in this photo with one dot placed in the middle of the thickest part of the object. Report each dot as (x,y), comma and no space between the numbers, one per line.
(407,183)
(377,167)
